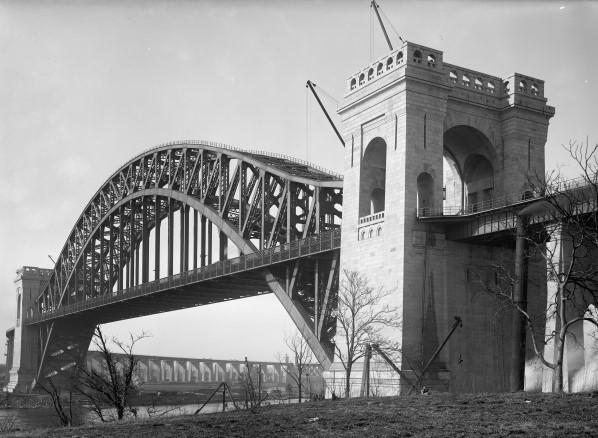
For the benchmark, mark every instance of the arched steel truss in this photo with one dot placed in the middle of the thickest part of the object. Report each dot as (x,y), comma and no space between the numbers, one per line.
(254,201)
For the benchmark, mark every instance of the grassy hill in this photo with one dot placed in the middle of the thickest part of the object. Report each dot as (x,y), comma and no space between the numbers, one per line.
(435,415)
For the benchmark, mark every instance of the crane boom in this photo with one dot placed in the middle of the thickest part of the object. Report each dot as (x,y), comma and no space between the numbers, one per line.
(375,6)
(311,86)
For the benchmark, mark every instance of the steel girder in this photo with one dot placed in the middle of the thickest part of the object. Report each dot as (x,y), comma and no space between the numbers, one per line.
(254,200)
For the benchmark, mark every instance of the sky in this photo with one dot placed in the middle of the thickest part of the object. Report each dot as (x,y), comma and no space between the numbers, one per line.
(85,86)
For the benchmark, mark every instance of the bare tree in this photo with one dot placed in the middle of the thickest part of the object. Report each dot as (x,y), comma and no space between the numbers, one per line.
(297,366)
(112,385)
(568,245)
(64,413)
(362,317)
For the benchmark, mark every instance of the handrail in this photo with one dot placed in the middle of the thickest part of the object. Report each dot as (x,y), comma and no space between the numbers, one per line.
(325,241)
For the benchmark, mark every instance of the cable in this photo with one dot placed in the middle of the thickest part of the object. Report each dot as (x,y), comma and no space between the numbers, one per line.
(391,26)
(328,95)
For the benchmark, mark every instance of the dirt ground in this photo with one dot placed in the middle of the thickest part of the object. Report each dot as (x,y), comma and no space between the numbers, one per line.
(435,415)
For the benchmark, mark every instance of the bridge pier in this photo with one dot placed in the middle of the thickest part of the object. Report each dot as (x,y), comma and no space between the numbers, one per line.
(581,346)
(24,340)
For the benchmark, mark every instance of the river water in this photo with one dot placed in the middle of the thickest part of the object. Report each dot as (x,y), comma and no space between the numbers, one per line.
(35,418)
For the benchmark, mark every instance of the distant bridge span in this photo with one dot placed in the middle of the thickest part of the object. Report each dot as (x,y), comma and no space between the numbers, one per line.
(123,258)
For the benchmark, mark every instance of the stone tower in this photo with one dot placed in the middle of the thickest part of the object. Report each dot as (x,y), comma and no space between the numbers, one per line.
(23,341)
(425,136)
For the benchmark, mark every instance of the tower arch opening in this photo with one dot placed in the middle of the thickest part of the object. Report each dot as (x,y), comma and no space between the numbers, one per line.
(468,169)
(372,178)
(479,180)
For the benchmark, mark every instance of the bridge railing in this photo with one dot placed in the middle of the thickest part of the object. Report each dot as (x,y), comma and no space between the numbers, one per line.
(506,200)
(325,241)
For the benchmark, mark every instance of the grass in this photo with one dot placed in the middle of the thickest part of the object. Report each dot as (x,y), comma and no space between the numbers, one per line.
(436,415)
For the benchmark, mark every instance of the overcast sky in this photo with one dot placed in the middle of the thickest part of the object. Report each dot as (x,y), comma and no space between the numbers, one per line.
(85,86)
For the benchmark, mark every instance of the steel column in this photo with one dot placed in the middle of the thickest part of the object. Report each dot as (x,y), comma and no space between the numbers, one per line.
(517,379)
(209,243)
(195,218)
(131,281)
(182,237)
(223,250)
(158,213)
(203,241)
(170,237)
(121,258)
(145,241)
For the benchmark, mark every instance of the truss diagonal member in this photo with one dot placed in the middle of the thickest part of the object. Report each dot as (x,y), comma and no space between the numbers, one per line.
(324,353)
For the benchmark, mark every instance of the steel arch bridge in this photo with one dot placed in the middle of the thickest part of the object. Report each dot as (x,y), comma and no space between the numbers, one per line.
(192,223)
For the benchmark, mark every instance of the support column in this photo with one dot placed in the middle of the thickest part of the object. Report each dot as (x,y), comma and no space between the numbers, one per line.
(223,250)
(101,232)
(110,253)
(517,370)
(131,281)
(157,239)
(183,242)
(145,242)
(316,296)
(195,218)
(209,243)
(170,238)
(203,241)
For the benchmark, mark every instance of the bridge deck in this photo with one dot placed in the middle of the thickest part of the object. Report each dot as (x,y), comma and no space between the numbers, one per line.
(222,281)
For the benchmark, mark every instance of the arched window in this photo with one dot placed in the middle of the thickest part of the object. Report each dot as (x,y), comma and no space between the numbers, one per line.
(431,59)
(389,63)
(353,84)
(417,56)
(478,84)
(399,58)
(491,87)
(425,193)
(379,231)
(370,74)
(361,79)
(522,86)
(372,178)
(371,233)
(380,69)
(466,81)
(535,91)
(453,76)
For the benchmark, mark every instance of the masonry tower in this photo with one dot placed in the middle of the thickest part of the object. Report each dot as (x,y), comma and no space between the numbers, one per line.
(425,135)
